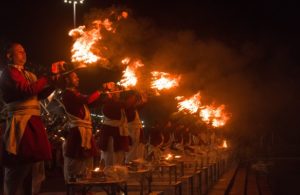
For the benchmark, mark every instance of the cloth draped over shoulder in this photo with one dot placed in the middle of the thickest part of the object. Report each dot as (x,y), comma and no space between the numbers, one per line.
(85,127)
(18,114)
(121,124)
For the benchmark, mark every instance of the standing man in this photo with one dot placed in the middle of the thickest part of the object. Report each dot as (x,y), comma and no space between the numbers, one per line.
(136,149)
(25,142)
(80,145)
(114,140)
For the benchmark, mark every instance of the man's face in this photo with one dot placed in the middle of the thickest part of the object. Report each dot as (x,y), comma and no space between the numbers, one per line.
(73,79)
(17,55)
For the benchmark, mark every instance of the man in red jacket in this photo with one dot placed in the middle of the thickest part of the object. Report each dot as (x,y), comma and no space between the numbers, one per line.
(25,142)
(79,148)
(135,127)
(114,140)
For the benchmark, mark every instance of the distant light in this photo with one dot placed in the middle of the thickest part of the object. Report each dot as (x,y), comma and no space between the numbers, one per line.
(66,1)
(70,2)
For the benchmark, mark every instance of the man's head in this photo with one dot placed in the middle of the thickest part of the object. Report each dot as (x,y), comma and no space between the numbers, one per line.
(129,98)
(15,54)
(72,80)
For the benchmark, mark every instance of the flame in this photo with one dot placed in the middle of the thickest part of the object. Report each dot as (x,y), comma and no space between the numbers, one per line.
(224,145)
(126,61)
(97,169)
(84,49)
(216,116)
(163,80)
(191,105)
(169,157)
(129,78)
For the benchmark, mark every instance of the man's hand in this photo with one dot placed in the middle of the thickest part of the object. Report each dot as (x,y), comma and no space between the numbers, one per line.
(58,67)
(109,86)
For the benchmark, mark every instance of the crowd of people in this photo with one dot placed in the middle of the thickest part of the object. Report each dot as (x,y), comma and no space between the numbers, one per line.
(24,141)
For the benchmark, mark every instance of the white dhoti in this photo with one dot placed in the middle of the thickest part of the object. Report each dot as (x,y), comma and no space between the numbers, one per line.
(112,157)
(136,150)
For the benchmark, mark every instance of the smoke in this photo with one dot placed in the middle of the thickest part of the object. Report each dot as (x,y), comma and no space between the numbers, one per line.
(254,79)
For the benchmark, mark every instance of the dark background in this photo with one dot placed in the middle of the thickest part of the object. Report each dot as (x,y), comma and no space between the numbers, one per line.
(247,59)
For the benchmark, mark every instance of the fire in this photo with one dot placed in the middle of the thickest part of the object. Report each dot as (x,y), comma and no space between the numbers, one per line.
(224,145)
(97,169)
(84,49)
(163,80)
(216,116)
(191,105)
(169,157)
(129,78)
(126,61)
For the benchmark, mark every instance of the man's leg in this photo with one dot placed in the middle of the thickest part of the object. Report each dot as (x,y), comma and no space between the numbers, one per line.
(108,155)
(38,176)
(14,179)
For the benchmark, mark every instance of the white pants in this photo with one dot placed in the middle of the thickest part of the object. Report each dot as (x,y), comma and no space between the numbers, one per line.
(136,150)
(110,157)
(73,167)
(31,174)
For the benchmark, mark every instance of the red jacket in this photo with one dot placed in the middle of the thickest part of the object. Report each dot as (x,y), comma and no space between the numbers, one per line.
(74,103)
(112,110)
(34,145)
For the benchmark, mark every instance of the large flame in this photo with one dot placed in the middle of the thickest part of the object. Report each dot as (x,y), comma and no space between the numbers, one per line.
(190,105)
(129,78)
(84,49)
(163,80)
(214,115)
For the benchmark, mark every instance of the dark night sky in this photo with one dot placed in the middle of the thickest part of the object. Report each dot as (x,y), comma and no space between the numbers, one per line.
(263,36)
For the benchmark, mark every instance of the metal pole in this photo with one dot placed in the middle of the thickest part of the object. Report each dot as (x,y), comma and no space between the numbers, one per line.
(74,13)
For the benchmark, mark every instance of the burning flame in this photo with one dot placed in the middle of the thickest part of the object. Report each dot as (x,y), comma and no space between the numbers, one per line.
(84,49)
(216,116)
(163,80)
(169,157)
(126,61)
(129,78)
(191,105)
(224,145)
(97,169)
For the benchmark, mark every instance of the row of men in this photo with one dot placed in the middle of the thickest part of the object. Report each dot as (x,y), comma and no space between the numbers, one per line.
(25,144)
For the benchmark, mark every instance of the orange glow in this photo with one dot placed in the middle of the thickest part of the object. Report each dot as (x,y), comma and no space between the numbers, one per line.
(224,145)
(129,78)
(169,157)
(163,80)
(214,115)
(84,49)
(190,105)
(126,61)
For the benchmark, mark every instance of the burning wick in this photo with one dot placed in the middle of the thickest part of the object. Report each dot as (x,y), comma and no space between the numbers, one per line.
(169,157)
(97,169)
(177,156)
(224,144)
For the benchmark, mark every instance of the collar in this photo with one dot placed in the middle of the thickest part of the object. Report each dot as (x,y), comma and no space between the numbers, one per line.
(19,67)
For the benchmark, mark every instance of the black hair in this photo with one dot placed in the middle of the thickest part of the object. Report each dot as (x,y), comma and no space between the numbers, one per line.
(7,49)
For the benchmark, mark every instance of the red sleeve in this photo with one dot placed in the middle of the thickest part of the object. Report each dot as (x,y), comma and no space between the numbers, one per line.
(25,88)
(86,99)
